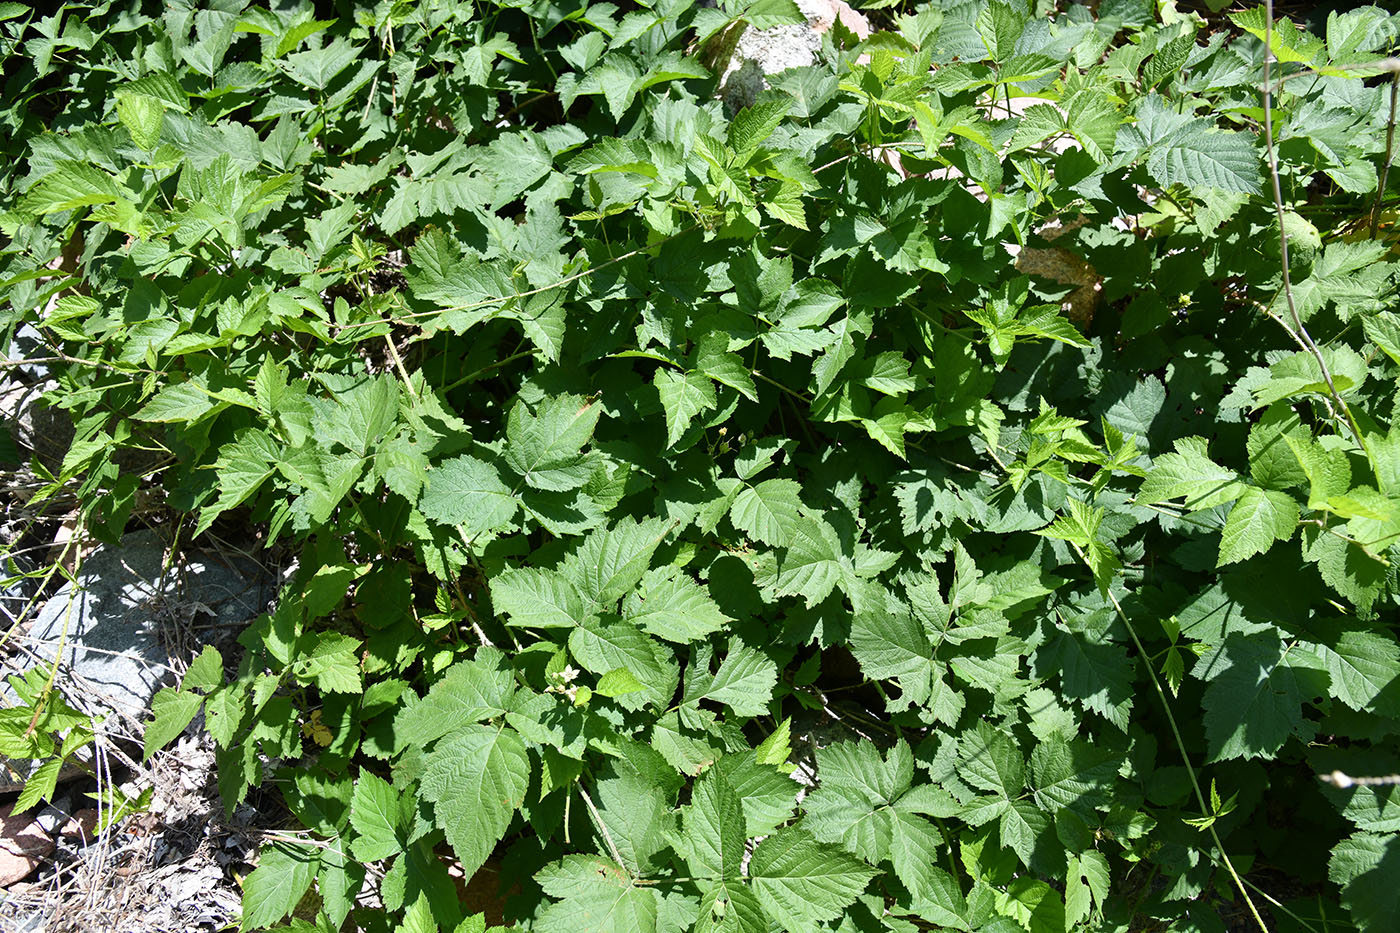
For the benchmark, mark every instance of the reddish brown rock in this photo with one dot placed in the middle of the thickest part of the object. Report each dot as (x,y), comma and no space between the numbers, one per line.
(822,13)
(22,845)
(82,826)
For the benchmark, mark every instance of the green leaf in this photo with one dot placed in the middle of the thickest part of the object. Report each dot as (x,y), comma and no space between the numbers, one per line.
(142,116)
(800,881)
(1258,519)
(611,562)
(361,413)
(769,511)
(180,402)
(206,671)
(476,779)
(1087,883)
(893,645)
(813,564)
(991,761)
(469,691)
(1091,668)
(595,895)
(1190,474)
(243,466)
(744,681)
(777,747)
(333,663)
(534,598)
(339,881)
(1068,773)
(602,647)
(544,448)
(672,606)
(1253,698)
(617,682)
(1365,866)
(161,86)
(851,807)
(753,125)
(682,397)
(915,846)
(275,888)
(714,829)
(375,812)
(174,710)
(712,357)
(71,185)
(468,493)
(1364,668)
(40,785)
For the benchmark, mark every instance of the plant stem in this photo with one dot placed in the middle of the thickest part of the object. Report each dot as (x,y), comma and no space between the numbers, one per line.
(1185,757)
(487,302)
(1299,329)
(1389,153)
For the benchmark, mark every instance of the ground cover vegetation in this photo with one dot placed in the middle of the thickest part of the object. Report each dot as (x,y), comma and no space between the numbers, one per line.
(621,438)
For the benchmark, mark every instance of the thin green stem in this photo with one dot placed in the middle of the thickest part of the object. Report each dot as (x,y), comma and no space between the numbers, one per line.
(1185,756)
(486,369)
(1389,154)
(488,302)
(1298,328)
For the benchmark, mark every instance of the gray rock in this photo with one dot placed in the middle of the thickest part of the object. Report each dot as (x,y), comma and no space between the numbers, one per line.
(28,344)
(33,424)
(53,816)
(763,52)
(17,593)
(116,625)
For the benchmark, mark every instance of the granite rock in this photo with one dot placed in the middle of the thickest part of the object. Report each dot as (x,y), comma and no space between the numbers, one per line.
(763,52)
(115,625)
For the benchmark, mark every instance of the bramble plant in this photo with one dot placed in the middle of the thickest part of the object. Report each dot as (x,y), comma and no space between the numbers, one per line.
(626,441)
